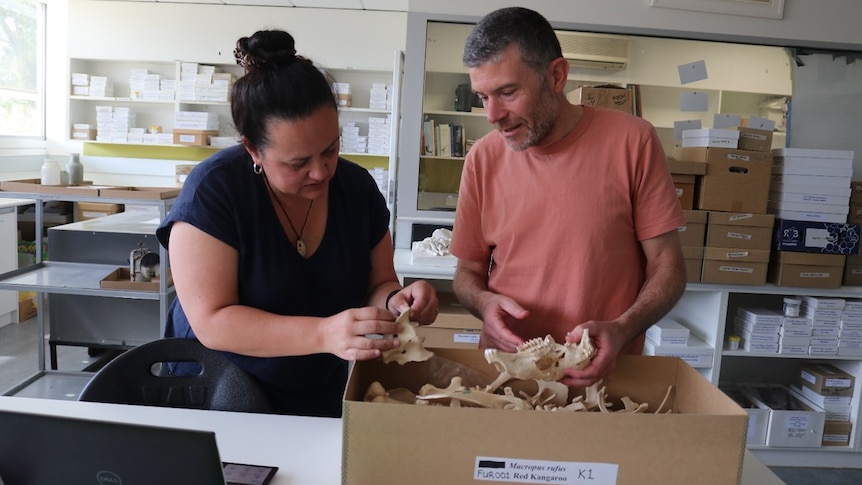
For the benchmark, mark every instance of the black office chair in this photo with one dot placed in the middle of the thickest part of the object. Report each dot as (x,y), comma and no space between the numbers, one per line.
(139,376)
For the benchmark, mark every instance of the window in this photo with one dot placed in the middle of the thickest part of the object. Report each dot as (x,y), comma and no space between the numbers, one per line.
(22,54)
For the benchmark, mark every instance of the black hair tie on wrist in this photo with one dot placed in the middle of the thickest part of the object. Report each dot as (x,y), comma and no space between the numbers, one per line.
(389,297)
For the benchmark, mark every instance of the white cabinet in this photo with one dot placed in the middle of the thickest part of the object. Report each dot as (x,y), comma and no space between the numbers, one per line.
(742,80)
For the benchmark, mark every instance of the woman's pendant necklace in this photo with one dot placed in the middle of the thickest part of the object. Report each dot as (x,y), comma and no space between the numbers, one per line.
(300,244)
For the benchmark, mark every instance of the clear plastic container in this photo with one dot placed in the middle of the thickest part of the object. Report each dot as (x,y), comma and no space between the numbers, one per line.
(791,307)
(50,172)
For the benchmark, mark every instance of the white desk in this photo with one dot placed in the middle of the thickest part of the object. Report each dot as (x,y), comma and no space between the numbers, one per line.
(306,450)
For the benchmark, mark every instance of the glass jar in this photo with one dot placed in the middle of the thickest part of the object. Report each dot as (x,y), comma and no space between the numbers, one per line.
(75,170)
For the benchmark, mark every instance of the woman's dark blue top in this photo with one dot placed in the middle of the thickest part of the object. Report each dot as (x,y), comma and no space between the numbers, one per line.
(223,197)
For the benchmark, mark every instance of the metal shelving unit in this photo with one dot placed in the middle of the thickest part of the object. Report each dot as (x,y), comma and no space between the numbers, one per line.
(47,277)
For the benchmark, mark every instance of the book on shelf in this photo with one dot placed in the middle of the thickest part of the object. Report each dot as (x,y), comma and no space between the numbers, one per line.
(430,133)
(444,139)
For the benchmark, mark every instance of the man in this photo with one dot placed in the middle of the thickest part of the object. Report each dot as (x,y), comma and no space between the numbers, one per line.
(567,216)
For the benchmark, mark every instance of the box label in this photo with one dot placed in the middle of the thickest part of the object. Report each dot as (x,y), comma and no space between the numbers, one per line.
(516,470)
(818,238)
(466,338)
(797,426)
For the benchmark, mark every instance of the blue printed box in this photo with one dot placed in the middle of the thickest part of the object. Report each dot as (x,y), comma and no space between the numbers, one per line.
(816,237)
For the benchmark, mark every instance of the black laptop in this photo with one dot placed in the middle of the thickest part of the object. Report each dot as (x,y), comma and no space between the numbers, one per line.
(38,449)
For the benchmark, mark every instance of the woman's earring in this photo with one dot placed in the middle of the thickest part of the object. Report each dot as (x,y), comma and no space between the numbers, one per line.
(258,169)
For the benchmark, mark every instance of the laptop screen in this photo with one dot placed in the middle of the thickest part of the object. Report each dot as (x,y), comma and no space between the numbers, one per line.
(38,449)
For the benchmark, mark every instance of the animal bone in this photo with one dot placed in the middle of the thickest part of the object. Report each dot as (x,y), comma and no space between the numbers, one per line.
(457,394)
(411,348)
(540,359)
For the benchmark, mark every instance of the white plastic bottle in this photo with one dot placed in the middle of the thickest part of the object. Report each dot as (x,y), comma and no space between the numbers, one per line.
(50,172)
(75,169)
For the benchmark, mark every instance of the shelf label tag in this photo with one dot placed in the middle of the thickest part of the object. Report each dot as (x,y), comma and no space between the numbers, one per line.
(516,470)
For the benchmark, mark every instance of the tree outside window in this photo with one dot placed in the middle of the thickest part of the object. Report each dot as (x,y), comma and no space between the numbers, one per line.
(21,41)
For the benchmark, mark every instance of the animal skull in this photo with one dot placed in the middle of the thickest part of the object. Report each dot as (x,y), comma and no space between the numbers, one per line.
(540,359)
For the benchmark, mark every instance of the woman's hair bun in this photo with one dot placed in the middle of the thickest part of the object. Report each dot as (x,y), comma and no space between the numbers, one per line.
(265,48)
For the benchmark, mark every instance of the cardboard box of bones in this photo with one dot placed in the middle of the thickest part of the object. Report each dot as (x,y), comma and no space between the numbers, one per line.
(701,440)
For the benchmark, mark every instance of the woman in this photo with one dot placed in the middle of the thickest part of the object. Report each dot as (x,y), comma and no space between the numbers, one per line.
(280,250)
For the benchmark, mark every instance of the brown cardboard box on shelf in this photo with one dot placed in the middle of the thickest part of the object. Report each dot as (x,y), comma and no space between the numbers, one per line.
(91,210)
(119,280)
(735,180)
(702,441)
(836,433)
(693,256)
(153,193)
(686,167)
(83,133)
(694,230)
(806,270)
(606,96)
(196,138)
(735,266)
(755,139)
(856,192)
(739,230)
(852,271)
(826,379)
(684,185)
(454,328)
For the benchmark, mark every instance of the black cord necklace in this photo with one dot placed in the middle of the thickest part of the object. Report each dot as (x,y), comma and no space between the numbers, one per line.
(300,244)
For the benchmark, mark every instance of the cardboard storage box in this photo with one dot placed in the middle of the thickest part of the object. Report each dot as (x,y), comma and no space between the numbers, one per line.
(836,433)
(755,139)
(694,230)
(701,442)
(735,180)
(197,138)
(454,328)
(816,237)
(684,185)
(152,193)
(693,257)
(119,280)
(758,418)
(739,230)
(710,137)
(826,379)
(91,210)
(806,270)
(695,352)
(686,167)
(852,271)
(793,421)
(613,97)
(735,266)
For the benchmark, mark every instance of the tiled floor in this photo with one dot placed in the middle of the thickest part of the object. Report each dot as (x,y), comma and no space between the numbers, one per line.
(19,361)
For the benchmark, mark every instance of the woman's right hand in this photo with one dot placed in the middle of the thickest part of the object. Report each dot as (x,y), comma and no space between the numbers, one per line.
(354,334)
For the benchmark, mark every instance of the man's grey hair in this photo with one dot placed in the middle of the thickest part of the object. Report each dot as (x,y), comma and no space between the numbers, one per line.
(529,30)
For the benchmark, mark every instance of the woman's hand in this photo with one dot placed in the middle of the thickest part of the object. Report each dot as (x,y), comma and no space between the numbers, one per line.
(421,298)
(355,334)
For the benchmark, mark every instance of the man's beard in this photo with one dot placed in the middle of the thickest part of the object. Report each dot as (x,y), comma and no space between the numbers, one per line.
(543,116)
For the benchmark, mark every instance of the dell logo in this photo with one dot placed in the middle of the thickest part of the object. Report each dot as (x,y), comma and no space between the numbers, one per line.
(108,478)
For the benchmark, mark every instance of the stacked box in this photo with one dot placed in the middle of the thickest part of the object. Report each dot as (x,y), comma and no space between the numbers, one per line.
(113,123)
(691,238)
(806,270)
(669,338)
(351,139)
(380,97)
(832,389)
(735,180)
(606,96)
(379,130)
(203,83)
(755,139)
(811,184)
(825,315)
(710,137)
(794,337)
(737,248)
(850,333)
(759,329)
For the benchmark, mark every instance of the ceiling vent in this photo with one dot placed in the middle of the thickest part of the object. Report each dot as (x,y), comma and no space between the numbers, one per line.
(595,51)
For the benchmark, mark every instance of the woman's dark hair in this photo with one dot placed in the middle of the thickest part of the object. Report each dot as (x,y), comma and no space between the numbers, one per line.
(278,84)
(529,30)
